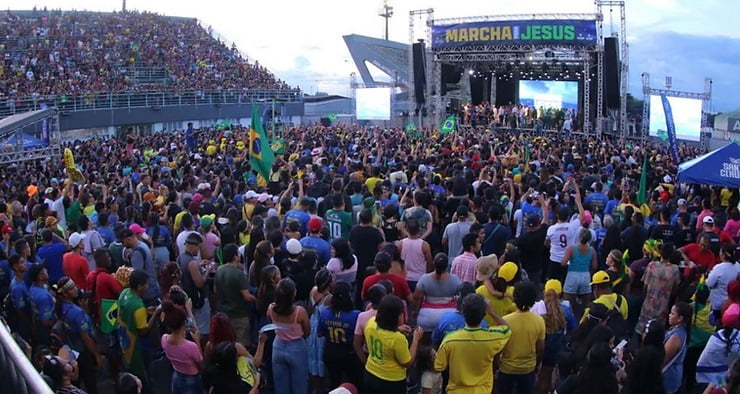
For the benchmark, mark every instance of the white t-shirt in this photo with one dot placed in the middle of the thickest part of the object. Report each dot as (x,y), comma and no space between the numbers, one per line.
(518,222)
(561,236)
(335,266)
(432,380)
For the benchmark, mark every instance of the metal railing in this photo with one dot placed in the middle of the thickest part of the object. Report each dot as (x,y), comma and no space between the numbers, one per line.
(145,99)
(16,371)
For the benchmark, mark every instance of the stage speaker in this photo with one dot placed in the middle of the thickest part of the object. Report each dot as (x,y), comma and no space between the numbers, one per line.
(420,79)
(450,75)
(611,72)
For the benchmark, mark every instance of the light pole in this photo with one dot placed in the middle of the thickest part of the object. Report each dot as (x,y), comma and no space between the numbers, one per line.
(386,12)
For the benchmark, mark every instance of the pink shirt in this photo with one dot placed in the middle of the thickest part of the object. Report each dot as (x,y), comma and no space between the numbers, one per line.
(184,357)
(362,320)
(464,266)
(210,243)
(289,331)
(733,228)
(412,253)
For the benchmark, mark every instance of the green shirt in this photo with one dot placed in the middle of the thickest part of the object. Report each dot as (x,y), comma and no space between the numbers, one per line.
(230,281)
(340,222)
(73,214)
(132,317)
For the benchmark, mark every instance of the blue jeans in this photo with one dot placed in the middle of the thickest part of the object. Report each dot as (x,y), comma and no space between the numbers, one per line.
(290,366)
(186,384)
(505,383)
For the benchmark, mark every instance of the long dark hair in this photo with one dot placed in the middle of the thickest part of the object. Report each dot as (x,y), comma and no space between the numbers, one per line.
(644,374)
(341,298)
(597,375)
(343,251)
(154,221)
(267,289)
(389,310)
(284,297)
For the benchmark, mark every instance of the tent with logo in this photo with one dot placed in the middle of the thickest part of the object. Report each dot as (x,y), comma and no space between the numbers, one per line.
(720,167)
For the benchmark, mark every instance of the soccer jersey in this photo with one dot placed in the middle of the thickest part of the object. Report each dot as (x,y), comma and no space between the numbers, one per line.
(520,354)
(469,353)
(132,317)
(388,350)
(561,236)
(340,222)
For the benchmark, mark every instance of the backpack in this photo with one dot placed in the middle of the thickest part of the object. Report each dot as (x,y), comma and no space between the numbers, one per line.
(615,321)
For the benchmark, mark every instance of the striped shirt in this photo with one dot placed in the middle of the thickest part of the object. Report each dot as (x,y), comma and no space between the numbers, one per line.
(464,266)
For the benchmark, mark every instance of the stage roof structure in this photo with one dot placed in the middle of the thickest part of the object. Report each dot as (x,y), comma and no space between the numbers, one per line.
(389,56)
(41,125)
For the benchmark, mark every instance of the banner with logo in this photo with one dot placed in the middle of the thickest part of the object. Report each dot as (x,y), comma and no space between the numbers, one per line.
(671,126)
(532,32)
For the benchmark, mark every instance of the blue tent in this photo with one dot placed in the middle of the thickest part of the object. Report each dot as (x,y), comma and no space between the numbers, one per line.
(28,141)
(720,167)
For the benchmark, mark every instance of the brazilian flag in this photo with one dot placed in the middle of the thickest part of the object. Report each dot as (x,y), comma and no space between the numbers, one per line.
(278,146)
(261,159)
(449,125)
(108,315)
(332,117)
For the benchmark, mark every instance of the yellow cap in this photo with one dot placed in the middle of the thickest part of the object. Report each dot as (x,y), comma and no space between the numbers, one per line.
(508,271)
(554,285)
(600,277)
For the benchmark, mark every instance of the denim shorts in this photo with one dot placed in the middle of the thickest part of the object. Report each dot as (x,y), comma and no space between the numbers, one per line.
(577,283)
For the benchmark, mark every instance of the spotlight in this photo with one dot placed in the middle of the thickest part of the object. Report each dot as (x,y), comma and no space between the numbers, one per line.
(471,71)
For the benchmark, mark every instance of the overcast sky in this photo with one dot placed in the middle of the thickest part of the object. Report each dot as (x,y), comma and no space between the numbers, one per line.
(301,41)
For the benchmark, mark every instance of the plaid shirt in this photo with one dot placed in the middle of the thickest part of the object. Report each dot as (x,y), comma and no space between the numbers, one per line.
(464,266)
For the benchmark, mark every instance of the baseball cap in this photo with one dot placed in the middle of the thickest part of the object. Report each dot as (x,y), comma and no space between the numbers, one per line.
(6,229)
(667,179)
(345,388)
(51,221)
(264,197)
(48,190)
(682,201)
(315,225)
(293,246)
(600,277)
(554,285)
(486,266)
(587,218)
(31,190)
(508,271)
(75,239)
(533,220)
(707,220)
(138,230)
(197,197)
(250,194)
(204,186)
(731,317)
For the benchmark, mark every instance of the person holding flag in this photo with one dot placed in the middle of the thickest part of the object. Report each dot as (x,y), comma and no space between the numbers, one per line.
(449,125)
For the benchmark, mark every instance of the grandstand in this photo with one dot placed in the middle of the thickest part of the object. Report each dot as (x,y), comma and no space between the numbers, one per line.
(82,61)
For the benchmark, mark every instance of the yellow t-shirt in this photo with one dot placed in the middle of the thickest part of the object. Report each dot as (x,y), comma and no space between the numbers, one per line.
(469,353)
(88,210)
(610,302)
(724,197)
(388,350)
(520,354)
(371,183)
(502,306)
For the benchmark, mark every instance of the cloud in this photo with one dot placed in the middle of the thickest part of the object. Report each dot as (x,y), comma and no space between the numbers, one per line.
(301,62)
(688,59)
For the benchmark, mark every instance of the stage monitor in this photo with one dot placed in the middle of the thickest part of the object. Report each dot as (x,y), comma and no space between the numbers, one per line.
(548,94)
(686,117)
(373,104)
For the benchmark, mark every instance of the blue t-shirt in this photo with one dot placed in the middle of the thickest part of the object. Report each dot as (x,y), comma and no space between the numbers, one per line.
(19,294)
(529,209)
(297,215)
(597,200)
(322,248)
(450,322)
(338,327)
(52,256)
(76,322)
(610,205)
(107,234)
(496,236)
(42,303)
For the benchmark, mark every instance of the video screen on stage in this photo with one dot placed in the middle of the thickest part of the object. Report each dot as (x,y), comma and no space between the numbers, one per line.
(686,117)
(373,104)
(548,94)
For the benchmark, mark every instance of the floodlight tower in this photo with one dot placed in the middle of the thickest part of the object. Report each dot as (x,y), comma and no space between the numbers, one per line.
(386,13)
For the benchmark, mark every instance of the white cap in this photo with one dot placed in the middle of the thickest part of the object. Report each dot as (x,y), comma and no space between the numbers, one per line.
(75,239)
(264,197)
(251,194)
(293,246)
(667,179)
(681,201)
(204,186)
(708,220)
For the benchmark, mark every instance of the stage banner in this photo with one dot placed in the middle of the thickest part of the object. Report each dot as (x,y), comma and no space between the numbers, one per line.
(533,32)
(671,126)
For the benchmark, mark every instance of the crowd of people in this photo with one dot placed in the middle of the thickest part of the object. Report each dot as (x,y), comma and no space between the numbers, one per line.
(519,116)
(50,53)
(373,261)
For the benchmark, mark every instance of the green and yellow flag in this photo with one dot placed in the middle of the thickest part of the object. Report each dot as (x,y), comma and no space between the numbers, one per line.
(261,159)
(108,315)
(449,125)
(278,146)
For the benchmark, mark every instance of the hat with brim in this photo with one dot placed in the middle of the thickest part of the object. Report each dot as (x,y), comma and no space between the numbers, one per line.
(600,278)
(485,267)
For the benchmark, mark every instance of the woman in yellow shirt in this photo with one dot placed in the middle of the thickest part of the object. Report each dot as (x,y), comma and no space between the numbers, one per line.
(499,291)
(385,370)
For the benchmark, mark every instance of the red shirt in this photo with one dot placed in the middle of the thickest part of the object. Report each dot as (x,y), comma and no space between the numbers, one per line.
(76,268)
(704,258)
(107,286)
(400,287)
